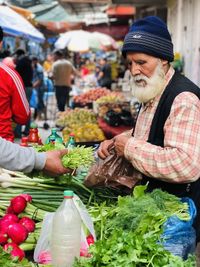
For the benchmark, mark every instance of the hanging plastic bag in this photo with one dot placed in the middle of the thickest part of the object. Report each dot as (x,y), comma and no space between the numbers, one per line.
(113,171)
(42,250)
(179,237)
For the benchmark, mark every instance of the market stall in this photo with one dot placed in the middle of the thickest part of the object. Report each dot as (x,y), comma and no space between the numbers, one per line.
(16,25)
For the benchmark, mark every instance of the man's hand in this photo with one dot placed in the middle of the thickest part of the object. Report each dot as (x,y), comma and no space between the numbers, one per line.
(120,143)
(53,165)
(103,150)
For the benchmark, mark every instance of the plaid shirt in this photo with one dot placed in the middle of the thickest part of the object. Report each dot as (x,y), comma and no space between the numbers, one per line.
(179,160)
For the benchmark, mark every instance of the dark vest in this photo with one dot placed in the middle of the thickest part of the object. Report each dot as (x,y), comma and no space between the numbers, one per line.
(177,85)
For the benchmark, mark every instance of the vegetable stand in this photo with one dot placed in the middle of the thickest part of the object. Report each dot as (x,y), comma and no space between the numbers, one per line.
(129,228)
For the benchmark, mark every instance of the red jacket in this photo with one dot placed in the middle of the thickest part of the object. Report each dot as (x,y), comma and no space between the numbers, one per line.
(13,103)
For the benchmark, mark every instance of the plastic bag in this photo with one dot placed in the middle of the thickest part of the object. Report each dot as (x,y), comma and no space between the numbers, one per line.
(42,250)
(179,237)
(113,171)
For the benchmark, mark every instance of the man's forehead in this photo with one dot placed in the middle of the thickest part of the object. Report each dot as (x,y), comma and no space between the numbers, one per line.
(138,56)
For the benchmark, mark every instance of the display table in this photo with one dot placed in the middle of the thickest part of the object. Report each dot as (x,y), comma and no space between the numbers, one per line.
(111,131)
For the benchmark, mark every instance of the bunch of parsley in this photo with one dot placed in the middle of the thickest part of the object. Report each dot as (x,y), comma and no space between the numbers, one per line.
(130,232)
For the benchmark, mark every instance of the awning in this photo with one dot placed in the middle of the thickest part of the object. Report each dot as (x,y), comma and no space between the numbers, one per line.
(52,12)
(59,27)
(16,25)
(24,12)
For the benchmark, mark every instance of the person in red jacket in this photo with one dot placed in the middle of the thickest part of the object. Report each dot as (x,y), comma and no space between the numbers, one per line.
(14,106)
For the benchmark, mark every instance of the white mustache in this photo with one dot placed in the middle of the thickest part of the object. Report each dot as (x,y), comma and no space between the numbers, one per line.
(140,77)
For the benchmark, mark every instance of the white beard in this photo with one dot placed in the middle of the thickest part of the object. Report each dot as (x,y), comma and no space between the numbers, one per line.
(144,88)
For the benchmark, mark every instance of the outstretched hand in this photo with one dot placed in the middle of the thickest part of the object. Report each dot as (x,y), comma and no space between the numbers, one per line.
(53,165)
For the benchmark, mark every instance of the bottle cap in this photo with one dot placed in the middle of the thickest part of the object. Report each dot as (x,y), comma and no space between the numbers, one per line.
(72,134)
(33,125)
(68,193)
(53,130)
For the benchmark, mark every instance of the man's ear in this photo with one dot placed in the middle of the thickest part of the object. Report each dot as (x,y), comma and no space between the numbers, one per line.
(1,43)
(164,62)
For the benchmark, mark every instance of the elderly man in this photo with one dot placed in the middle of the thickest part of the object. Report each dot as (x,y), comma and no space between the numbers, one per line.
(165,147)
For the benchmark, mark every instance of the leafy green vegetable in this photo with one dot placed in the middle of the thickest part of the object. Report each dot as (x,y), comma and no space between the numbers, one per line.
(49,146)
(79,156)
(129,233)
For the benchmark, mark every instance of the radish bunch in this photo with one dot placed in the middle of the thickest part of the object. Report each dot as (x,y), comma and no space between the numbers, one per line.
(13,230)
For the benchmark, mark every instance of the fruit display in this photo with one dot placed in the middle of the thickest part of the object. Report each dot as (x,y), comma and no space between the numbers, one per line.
(84,132)
(117,107)
(112,97)
(82,122)
(90,96)
(74,117)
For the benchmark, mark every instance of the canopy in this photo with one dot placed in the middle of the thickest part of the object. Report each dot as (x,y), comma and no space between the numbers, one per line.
(82,41)
(16,25)
(77,41)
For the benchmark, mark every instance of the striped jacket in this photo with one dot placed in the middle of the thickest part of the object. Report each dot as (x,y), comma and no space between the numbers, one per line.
(13,103)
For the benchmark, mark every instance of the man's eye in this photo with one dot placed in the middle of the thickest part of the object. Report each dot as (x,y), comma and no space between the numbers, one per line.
(140,62)
(129,63)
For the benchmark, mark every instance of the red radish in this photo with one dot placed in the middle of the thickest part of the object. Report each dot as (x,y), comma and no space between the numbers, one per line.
(18,204)
(4,224)
(27,197)
(3,238)
(84,250)
(44,257)
(17,233)
(10,217)
(14,250)
(9,246)
(90,239)
(9,210)
(28,223)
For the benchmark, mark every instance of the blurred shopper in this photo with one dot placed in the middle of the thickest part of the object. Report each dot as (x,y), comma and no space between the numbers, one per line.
(84,71)
(38,84)
(18,158)
(24,68)
(47,65)
(8,61)
(104,78)
(13,102)
(62,75)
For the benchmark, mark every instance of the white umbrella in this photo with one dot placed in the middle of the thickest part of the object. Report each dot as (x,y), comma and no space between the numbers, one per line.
(105,40)
(78,41)
(81,41)
(16,25)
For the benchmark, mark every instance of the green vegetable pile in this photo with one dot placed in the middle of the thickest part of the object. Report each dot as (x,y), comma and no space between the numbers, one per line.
(78,156)
(129,232)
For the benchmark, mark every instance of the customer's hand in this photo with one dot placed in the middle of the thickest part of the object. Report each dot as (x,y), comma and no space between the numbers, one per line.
(53,165)
(103,150)
(120,143)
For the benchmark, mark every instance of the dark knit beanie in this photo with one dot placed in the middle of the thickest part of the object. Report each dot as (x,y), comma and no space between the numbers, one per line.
(150,36)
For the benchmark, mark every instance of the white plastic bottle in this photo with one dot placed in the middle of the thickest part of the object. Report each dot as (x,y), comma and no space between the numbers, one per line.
(66,233)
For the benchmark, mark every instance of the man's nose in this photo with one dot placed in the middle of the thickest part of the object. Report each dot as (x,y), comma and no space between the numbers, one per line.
(135,69)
